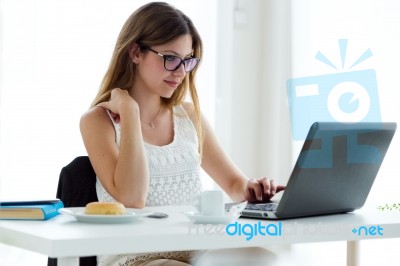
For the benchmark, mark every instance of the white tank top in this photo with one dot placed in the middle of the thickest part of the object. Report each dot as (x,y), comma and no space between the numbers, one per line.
(174,179)
(174,168)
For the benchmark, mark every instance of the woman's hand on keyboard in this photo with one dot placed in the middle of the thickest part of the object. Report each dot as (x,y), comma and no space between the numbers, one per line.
(262,189)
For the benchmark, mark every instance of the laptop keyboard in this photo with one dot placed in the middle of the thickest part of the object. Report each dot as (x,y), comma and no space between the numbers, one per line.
(253,214)
(262,207)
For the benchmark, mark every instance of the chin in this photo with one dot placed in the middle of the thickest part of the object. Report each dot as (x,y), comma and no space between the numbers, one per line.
(168,94)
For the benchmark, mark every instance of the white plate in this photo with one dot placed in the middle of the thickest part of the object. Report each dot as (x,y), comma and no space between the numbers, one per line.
(232,214)
(129,216)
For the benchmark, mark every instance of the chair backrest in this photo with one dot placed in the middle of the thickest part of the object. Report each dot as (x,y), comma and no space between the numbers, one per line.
(76,188)
(77,183)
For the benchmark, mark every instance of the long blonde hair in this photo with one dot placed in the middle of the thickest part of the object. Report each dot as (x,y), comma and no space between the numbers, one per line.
(155,23)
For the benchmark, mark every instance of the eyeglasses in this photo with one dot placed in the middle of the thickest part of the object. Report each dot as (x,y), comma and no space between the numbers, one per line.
(172,62)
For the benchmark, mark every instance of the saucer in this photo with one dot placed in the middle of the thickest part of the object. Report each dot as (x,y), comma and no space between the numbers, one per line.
(233,212)
(198,218)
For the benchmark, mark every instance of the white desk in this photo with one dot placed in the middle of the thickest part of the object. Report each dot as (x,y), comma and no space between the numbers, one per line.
(67,239)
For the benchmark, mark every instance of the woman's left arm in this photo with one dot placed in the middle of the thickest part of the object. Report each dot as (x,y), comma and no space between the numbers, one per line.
(228,176)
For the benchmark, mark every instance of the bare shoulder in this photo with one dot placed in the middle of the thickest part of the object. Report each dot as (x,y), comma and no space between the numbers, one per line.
(95,117)
(189,108)
(94,113)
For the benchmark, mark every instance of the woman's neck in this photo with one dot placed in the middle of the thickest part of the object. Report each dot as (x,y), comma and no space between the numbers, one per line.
(149,104)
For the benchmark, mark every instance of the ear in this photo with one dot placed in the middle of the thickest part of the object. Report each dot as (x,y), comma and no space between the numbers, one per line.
(135,53)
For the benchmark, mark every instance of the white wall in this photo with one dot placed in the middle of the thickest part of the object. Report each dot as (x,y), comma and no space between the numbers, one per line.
(275,145)
(251,114)
(53,57)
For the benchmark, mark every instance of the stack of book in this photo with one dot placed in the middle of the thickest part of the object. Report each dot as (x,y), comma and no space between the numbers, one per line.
(30,210)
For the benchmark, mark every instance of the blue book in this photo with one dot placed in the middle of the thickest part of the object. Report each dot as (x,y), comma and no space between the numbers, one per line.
(30,210)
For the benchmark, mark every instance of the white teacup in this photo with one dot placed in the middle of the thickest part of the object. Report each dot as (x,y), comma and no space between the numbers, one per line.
(210,203)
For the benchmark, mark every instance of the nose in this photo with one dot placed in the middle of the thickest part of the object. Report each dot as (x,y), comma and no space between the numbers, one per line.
(180,71)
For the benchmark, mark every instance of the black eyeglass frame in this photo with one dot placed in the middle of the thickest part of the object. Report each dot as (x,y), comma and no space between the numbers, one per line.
(183,61)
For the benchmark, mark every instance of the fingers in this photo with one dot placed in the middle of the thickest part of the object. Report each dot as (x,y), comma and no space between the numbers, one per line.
(262,189)
(102,105)
(114,101)
(105,105)
(255,190)
(269,186)
(115,117)
(265,186)
(280,188)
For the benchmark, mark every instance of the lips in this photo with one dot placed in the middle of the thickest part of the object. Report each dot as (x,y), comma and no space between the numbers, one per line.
(173,84)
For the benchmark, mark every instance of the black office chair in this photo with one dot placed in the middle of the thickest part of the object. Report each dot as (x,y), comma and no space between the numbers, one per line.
(76,188)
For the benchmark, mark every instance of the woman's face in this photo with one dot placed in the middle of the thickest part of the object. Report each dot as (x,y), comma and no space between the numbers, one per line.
(151,74)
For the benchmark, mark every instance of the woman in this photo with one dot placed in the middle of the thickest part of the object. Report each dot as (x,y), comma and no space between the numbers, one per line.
(145,143)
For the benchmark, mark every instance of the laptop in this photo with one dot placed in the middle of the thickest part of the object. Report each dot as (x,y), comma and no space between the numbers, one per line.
(334,171)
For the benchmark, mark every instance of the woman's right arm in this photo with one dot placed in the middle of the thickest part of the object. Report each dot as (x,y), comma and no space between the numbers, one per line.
(123,172)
